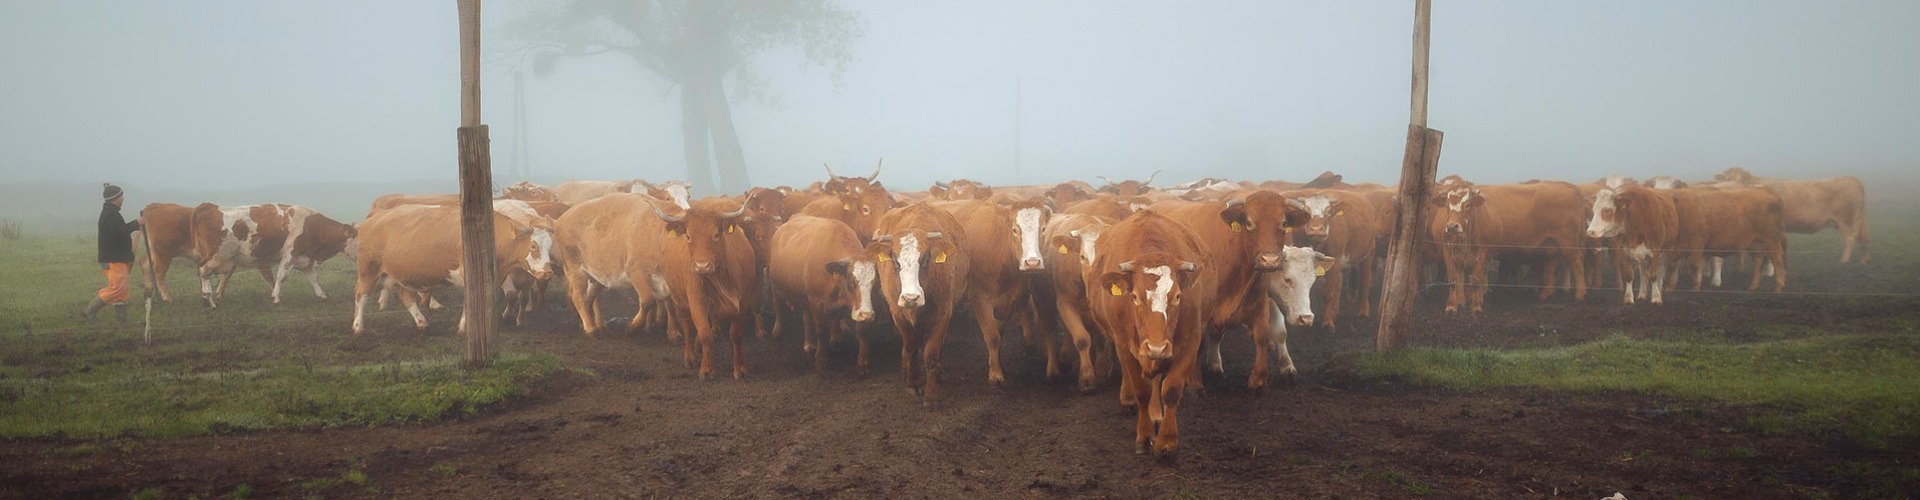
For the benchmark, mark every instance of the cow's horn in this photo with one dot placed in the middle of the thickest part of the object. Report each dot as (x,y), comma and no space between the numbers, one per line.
(933,235)
(876,169)
(664,216)
(1188,266)
(1104,179)
(883,238)
(1296,203)
(1149,180)
(829,170)
(1236,202)
(1126,267)
(736,212)
(941,185)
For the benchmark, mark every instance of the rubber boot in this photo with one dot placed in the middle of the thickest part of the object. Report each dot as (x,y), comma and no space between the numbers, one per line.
(92,308)
(120,311)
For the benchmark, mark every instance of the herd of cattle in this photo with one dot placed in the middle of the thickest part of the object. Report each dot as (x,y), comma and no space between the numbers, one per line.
(1153,274)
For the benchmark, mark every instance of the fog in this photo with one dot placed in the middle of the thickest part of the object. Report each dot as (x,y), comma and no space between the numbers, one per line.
(226,95)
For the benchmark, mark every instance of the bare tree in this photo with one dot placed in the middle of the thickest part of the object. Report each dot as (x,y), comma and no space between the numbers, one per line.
(697,47)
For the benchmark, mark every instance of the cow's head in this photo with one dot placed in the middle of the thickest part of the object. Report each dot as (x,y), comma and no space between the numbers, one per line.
(1457,204)
(705,232)
(1029,218)
(674,191)
(1665,182)
(768,203)
(1152,285)
(1079,242)
(960,189)
(1325,180)
(1066,193)
(532,248)
(857,277)
(1264,217)
(1128,187)
(863,211)
(907,257)
(1452,181)
(1293,285)
(1610,206)
(853,185)
(1321,210)
(1734,174)
(527,191)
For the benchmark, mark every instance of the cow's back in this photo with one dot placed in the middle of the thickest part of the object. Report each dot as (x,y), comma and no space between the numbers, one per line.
(411,243)
(1530,215)
(167,230)
(990,242)
(1813,205)
(610,234)
(799,250)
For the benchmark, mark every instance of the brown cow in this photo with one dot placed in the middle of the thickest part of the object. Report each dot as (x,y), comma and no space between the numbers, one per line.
(420,247)
(1245,237)
(1475,224)
(1108,206)
(1327,180)
(1813,205)
(1067,193)
(672,191)
(1061,300)
(1342,224)
(711,268)
(1641,225)
(960,189)
(1149,294)
(168,237)
(1665,183)
(924,275)
(273,238)
(1128,187)
(612,242)
(387,201)
(527,191)
(576,192)
(851,185)
(998,249)
(1733,220)
(819,265)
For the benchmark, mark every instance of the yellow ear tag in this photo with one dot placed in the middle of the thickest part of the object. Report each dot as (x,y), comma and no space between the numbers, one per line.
(672,234)
(940,258)
(1063,249)
(844,206)
(880,257)
(730,229)
(1235,225)
(1115,290)
(1339,213)
(1284,229)
(1319,270)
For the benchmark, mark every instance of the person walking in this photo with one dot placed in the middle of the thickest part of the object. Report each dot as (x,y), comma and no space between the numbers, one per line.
(116,254)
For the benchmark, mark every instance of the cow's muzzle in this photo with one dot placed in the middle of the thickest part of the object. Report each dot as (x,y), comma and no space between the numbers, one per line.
(1032,264)
(703,267)
(1305,319)
(862,316)
(909,299)
(1158,350)
(1267,261)
(1454,228)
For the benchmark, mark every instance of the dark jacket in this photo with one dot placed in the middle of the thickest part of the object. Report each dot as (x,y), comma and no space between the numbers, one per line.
(116,235)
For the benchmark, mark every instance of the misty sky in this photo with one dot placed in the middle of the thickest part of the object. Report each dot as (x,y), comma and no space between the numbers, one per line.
(241,93)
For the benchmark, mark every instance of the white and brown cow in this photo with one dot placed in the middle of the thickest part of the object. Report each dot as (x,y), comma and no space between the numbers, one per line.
(274,238)
(419,247)
(819,265)
(1642,226)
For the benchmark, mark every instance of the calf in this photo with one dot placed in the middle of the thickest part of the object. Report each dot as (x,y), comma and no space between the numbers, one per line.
(420,247)
(1343,224)
(1150,297)
(819,265)
(923,276)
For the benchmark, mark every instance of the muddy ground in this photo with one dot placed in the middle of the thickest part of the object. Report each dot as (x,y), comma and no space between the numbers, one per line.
(640,425)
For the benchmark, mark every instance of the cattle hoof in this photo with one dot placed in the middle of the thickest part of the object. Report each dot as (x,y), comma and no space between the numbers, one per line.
(1140,447)
(1257,383)
(1087,385)
(997,381)
(1168,455)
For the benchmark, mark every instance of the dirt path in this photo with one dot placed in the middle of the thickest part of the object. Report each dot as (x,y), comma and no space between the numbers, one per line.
(642,426)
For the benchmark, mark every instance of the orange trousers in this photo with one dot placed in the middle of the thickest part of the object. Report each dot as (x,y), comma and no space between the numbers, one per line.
(116,291)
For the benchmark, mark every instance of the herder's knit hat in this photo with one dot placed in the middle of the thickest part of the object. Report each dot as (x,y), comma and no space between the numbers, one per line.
(109,191)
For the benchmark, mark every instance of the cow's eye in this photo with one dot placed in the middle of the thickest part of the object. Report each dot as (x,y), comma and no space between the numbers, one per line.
(866,210)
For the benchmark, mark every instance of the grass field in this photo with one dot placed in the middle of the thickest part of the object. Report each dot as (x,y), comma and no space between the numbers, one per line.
(246,365)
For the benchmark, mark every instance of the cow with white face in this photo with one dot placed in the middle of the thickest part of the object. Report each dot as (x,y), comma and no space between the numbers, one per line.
(1640,224)
(1060,297)
(923,274)
(673,191)
(819,265)
(1029,218)
(273,238)
(1342,224)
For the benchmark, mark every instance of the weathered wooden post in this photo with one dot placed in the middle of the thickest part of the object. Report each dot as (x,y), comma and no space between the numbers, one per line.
(476,196)
(1417,170)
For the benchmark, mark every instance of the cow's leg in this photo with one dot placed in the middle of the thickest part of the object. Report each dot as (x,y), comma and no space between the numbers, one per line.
(984,315)
(1367,282)
(1277,341)
(1659,275)
(736,330)
(279,276)
(206,287)
(1336,280)
(1759,262)
(1718,262)
(1628,272)
(1082,341)
(157,279)
(910,345)
(1168,399)
(1779,263)
(810,328)
(363,284)
(814,325)
(1579,270)
(386,294)
(1456,294)
(1134,389)
(413,308)
(313,277)
(930,353)
(862,366)
(220,290)
(578,295)
(1549,272)
(1478,280)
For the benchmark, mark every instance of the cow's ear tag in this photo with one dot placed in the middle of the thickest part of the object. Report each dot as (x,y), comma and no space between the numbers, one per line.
(1115,290)
(1235,225)
(1339,213)
(846,206)
(1063,249)
(940,258)
(880,257)
(1319,270)
(672,234)
(731,228)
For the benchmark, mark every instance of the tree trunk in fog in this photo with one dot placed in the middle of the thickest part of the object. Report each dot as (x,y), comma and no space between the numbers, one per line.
(693,133)
(726,142)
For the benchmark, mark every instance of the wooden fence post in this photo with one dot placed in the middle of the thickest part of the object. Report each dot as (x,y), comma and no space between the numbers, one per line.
(476,196)
(1417,170)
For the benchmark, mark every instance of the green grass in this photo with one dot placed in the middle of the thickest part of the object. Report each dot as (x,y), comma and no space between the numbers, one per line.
(249,364)
(1859,386)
